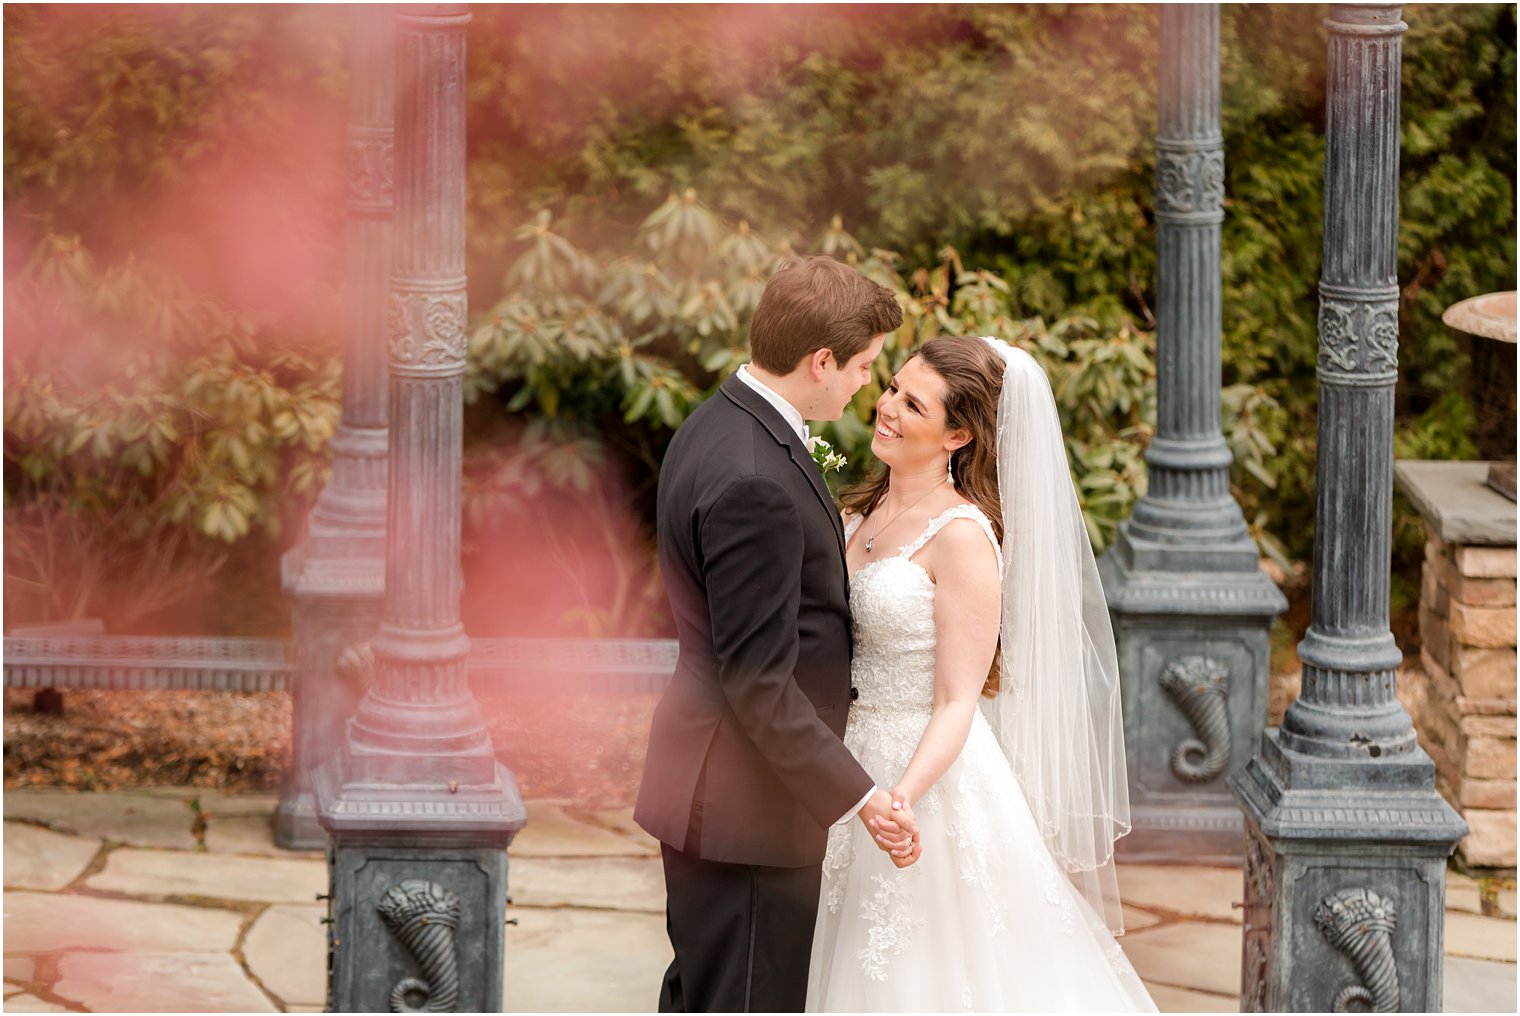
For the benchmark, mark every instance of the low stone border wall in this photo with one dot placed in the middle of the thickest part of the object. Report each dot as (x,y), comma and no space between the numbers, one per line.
(1462,696)
(1463,703)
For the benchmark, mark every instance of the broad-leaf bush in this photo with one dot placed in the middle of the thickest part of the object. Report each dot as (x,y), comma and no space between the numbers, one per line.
(633,176)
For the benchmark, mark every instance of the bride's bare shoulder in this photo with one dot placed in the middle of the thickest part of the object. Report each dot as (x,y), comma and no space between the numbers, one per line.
(962,549)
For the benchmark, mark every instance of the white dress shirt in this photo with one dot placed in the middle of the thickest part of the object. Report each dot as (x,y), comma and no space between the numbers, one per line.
(788,412)
(793,417)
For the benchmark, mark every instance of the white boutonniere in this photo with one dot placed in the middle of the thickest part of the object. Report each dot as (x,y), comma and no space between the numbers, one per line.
(824,454)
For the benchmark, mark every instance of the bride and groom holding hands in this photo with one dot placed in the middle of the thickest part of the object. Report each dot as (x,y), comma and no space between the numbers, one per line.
(888,771)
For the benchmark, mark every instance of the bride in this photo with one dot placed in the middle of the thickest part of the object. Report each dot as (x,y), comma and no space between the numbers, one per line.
(1008,751)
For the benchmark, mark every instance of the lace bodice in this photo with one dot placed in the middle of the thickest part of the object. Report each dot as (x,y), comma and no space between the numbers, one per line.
(892,612)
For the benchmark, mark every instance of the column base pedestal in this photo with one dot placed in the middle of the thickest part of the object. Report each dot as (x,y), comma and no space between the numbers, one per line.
(414,927)
(417,886)
(1193,663)
(1345,885)
(337,605)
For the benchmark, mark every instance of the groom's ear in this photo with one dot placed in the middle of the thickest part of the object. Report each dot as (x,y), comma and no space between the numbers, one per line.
(818,362)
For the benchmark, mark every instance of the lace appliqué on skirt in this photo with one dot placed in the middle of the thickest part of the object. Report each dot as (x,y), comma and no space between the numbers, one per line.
(837,858)
(890,913)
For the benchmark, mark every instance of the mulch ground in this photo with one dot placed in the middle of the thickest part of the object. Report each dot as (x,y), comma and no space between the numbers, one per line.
(585,748)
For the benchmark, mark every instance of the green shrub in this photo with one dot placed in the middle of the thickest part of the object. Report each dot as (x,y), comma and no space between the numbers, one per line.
(616,354)
(993,164)
(159,434)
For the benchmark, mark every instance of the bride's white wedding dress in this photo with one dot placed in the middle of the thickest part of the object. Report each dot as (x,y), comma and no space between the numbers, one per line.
(986,919)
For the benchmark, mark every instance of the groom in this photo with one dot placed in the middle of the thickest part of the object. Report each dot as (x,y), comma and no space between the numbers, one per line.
(746,770)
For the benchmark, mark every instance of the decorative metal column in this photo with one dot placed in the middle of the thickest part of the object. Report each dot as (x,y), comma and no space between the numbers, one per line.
(1190,604)
(337,575)
(1347,839)
(418,809)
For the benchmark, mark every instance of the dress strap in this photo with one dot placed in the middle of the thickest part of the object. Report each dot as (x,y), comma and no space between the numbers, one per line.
(851,523)
(949,515)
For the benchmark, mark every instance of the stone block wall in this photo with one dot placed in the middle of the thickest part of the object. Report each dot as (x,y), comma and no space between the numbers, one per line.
(1462,698)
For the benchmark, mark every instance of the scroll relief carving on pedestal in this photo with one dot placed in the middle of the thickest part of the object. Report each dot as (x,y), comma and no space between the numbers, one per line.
(1200,685)
(424,916)
(1190,181)
(371,170)
(1257,930)
(1360,923)
(427,329)
(1358,338)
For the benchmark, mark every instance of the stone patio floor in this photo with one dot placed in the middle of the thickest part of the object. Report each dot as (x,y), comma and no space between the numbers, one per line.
(178,900)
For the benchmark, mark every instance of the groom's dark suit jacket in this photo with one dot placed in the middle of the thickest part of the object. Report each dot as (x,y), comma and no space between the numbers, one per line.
(745,761)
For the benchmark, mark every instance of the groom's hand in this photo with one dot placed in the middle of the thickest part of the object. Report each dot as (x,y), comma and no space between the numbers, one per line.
(900,857)
(893,827)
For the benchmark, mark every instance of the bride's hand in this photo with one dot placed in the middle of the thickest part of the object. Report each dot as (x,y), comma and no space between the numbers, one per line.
(893,830)
(908,854)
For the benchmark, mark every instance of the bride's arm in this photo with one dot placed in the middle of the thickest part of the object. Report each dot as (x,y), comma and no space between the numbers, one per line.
(967,610)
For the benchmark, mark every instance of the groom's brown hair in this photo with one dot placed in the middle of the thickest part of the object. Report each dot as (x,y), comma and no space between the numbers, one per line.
(815,303)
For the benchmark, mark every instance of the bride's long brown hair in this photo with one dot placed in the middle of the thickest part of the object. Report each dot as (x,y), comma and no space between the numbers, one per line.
(973,375)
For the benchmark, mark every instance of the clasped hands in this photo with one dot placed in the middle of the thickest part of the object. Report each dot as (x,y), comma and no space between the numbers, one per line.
(893,827)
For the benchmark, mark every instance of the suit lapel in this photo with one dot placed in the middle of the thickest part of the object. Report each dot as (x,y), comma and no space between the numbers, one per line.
(747,399)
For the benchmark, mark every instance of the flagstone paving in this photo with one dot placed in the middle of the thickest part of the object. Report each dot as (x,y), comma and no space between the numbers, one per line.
(131,817)
(1170,999)
(162,982)
(1135,920)
(1203,957)
(614,883)
(286,949)
(620,821)
(218,804)
(552,833)
(178,900)
(249,834)
(1477,986)
(1186,891)
(24,1002)
(20,969)
(584,961)
(57,922)
(38,858)
(1483,938)
(168,873)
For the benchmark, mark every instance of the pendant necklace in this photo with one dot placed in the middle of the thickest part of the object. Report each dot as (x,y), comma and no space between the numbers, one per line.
(872,538)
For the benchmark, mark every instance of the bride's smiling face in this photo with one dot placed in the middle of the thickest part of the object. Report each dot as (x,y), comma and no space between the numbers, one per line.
(911,430)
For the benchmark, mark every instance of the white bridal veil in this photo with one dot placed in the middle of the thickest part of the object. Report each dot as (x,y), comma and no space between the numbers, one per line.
(1057,715)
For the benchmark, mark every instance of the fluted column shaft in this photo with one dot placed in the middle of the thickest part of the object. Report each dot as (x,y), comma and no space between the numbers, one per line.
(1188,496)
(1189,210)
(1347,705)
(420,706)
(1346,835)
(354,502)
(1190,603)
(336,576)
(419,811)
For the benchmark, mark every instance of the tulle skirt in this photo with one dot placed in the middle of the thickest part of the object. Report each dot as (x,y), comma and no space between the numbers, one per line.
(985,921)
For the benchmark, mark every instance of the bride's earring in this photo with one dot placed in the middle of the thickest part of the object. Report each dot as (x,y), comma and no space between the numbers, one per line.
(950,469)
